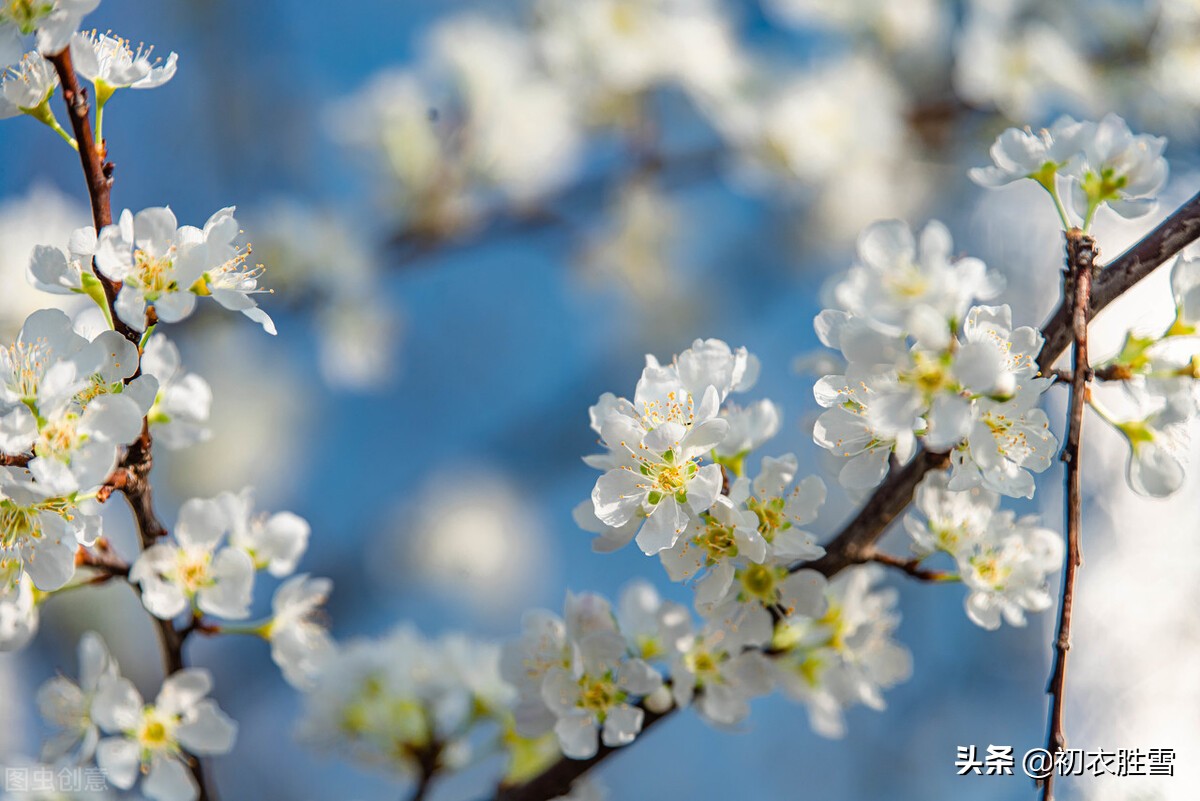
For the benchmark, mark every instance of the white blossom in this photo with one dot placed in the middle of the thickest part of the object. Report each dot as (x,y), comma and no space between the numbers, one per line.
(54,20)
(167,266)
(1008,441)
(299,642)
(1006,570)
(384,701)
(150,739)
(196,569)
(590,695)
(1039,155)
(275,543)
(847,655)
(67,705)
(26,88)
(111,64)
(1119,169)
(899,280)
(180,413)
(18,609)
(712,672)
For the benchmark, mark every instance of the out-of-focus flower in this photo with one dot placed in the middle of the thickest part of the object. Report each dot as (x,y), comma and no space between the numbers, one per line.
(150,739)
(299,643)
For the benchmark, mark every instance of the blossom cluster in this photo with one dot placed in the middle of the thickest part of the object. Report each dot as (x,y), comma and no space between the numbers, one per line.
(1003,560)
(923,364)
(594,674)
(1103,164)
(403,701)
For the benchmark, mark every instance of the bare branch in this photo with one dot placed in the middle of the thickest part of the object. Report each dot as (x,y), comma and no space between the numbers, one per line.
(1081,257)
(911,567)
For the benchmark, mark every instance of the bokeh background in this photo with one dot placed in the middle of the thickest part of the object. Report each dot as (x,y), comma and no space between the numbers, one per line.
(479,216)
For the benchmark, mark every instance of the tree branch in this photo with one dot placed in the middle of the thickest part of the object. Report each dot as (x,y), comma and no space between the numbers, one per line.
(133,475)
(558,778)
(911,567)
(1077,280)
(854,544)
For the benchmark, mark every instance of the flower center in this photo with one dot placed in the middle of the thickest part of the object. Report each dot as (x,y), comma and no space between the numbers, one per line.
(771,518)
(597,694)
(717,541)
(759,581)
(157,731)
(25,14)
(17,523)
(154,274)
(191,569)
(59,438)
(27,362)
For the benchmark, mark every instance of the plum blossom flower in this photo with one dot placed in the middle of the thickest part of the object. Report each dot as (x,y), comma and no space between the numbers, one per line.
(275,543)
(111,64)
(38,534)
(299,642)
(167,266)
(713,672)
(1119,169)
(901,282)
(657,443)
(1007,441)
(180,412)
(385,701)
(54,21)
(67,705)
(846,656)
(1020,153)
(195,569)
(60,273)
(1006,570)
(18,609)
(952,519)
(26,88)
(150,739)
(590,695)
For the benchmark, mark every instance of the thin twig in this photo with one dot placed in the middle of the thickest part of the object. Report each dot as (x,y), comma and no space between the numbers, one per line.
(428,764)
(1081,258)
(15,460)
(911,567)
(855,542)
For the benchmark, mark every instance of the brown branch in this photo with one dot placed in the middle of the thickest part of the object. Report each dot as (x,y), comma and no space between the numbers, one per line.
(428,765)
(16,460)
(912,567)
(133,475)
(1081,258)
(96,172)
(558,778)
(854,544)
(1109,372)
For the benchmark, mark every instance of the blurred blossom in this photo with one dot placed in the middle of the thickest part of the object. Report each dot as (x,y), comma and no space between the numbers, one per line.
(1024,69)
(43,215)
(393,119)
(470,537)
(517,126)
(610,52)
(634,251)
(914,26)
(259,407)
(318,258)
